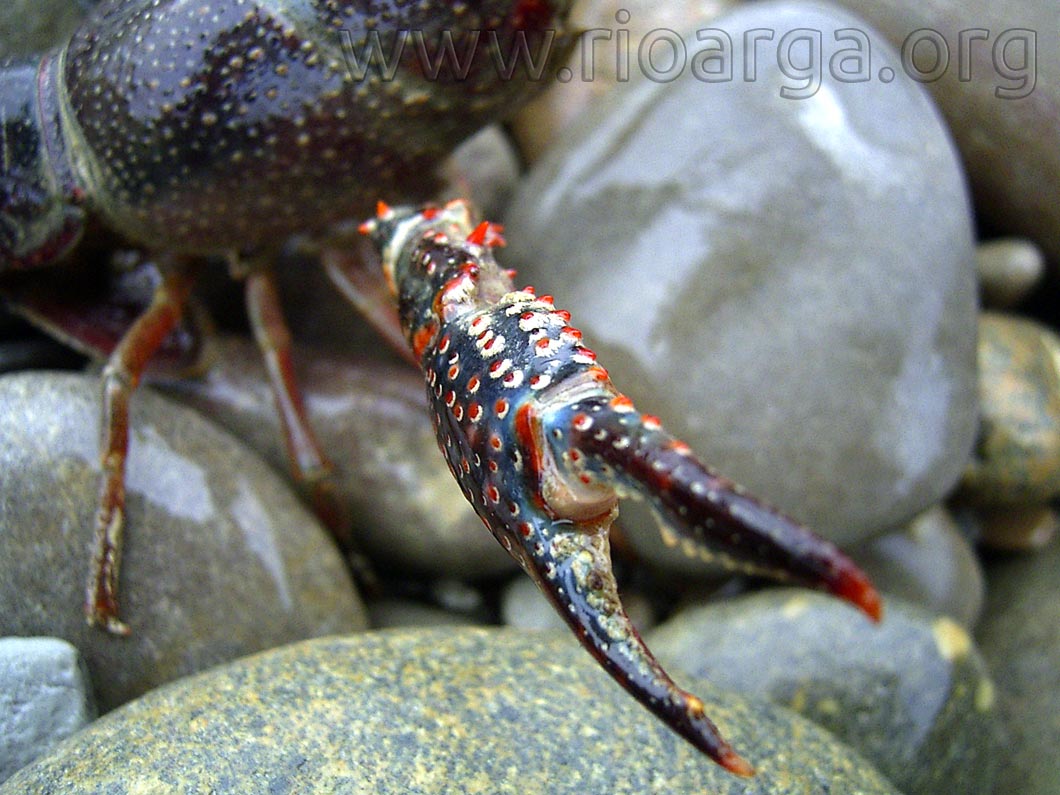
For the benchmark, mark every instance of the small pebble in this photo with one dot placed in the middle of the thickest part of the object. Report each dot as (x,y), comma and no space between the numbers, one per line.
(1009,269)
(220,560)
(45,696)
(484,169)
(788,283)
(930,563)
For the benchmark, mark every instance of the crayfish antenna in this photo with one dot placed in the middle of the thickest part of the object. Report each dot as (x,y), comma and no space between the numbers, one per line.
(606,439)
(571,564)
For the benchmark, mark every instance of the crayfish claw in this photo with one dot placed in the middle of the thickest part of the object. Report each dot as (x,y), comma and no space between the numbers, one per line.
(607,440)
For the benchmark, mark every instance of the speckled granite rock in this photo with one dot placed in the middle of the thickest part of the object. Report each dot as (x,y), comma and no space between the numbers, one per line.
(419,711)
(912,695)
(45,696)
(1002,110)
(372,421)
(221,559)
(1020,638)
(930,563)
(789,284)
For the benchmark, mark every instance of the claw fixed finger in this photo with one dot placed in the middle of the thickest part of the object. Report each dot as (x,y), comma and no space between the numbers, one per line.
(571,564)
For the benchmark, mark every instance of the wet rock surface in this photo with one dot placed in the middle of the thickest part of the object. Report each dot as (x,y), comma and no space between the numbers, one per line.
(450,710)
(221,559)
(1020,638)
(911,694)
(45,696)
(929,563)
(999,94)
(371,419)
(748,268)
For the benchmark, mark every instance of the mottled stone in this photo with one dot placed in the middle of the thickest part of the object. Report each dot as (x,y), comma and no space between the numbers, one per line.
(615,32)
(788,283)
(1020,638)
(912,694)
(1017,453)
(1005,124)
(221,559)
(422,711)
(372,421)
(929,563)
(45,696)
(1009,269)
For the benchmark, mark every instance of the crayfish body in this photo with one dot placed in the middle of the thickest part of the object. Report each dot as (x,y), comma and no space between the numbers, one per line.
(221,129)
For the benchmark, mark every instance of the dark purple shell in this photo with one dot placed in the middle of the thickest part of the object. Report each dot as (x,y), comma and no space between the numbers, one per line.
(203,127)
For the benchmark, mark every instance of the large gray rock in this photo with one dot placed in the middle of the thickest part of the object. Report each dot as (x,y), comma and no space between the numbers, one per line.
(432,711)
(371,418)
(911,694)
(221,559)
(1020,638)
(45,696)
(1002,107)
(789,283)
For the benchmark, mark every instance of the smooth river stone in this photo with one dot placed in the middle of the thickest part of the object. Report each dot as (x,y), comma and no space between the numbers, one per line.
(449,710)
(912,694)
(371,419)
(788,283)
(221,559)
(1006,125)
